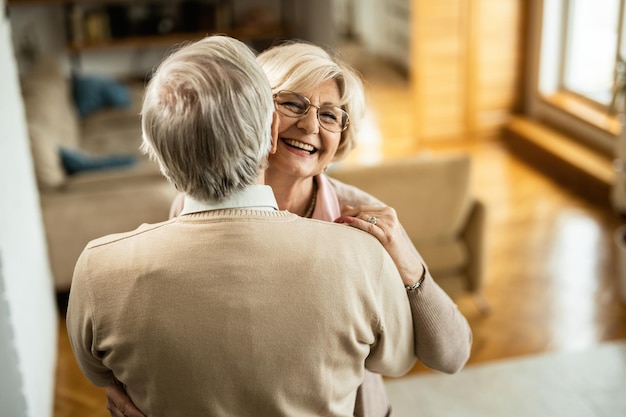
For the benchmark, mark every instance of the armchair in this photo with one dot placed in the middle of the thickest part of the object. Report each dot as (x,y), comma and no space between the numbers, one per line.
(445,221)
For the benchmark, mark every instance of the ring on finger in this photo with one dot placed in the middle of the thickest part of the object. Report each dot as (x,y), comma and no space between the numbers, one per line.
(373,220)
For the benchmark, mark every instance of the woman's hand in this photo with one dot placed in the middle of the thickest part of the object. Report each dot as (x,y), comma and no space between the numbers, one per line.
(119,403)
(382,222)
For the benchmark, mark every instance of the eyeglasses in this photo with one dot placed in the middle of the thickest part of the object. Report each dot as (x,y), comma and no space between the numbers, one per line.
(332,118)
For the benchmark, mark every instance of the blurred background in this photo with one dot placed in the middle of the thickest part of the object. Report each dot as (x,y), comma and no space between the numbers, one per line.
(530,92)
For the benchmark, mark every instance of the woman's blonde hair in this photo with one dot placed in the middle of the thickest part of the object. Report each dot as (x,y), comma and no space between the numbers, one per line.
(300,66)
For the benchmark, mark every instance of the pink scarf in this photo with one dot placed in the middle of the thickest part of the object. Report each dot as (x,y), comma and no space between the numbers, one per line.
(327,204)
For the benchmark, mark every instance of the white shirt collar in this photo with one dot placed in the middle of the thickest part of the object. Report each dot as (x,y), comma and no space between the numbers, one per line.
(255,197)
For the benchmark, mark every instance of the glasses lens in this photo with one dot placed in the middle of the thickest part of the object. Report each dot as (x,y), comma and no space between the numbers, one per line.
(291,104)
(331,118)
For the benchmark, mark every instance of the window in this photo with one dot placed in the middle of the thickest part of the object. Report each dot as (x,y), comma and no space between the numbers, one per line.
(580,44)
(576,55)
(590,46)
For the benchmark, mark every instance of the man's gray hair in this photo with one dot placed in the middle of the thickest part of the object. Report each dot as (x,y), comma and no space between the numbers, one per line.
(206,117)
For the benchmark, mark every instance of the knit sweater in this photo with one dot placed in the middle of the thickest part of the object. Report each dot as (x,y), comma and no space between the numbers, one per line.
(239,313)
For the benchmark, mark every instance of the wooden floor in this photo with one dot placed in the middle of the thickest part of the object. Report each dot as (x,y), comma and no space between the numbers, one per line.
(551,277)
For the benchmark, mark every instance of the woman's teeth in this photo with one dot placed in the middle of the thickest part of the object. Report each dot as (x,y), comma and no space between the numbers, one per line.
(299,145)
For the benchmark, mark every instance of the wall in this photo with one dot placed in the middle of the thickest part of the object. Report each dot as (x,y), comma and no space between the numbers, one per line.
(36,26)
(463,57)
(465,66)
(313,21)
(28,315)
(367,24)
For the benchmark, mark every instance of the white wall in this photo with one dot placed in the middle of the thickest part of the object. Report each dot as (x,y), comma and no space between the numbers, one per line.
(28,315)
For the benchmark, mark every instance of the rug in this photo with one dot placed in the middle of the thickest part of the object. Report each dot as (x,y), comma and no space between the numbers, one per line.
(589,383)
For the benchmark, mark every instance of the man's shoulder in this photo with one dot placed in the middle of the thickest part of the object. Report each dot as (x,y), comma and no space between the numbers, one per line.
(341,233)
(346,248)
(122,236)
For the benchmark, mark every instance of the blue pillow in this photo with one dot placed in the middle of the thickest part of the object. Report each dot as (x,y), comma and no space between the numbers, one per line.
(93,93)
(76,161)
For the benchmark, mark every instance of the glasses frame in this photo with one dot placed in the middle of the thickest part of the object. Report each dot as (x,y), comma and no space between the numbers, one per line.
(309,105)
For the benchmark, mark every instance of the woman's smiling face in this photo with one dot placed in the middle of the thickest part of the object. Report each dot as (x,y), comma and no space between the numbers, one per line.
(304,147)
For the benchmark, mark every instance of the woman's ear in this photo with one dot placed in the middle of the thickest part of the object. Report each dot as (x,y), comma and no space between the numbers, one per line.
(275,124)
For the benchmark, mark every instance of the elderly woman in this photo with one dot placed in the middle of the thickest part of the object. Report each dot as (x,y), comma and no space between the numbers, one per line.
(321,102)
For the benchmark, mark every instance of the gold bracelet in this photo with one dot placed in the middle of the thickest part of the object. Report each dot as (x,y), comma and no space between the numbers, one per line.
(418,283)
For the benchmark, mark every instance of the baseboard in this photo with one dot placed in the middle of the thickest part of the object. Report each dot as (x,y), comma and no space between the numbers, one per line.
(584,171)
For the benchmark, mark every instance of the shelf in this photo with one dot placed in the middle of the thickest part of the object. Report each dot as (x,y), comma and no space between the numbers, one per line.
(93,26)
(34,2)
(131,42)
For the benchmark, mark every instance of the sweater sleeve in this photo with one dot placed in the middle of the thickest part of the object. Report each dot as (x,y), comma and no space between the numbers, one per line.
(392,353)
(443,337)
(81,327)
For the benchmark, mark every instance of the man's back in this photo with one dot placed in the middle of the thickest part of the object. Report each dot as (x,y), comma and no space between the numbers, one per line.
(235,312)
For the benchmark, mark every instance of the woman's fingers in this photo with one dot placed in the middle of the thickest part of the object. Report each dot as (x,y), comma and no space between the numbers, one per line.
(378,221)
(119,403)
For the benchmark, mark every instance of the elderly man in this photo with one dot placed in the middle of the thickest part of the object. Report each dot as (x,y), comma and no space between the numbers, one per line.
(233,308)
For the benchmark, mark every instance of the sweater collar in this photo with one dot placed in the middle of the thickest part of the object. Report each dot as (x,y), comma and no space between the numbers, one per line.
(256,197)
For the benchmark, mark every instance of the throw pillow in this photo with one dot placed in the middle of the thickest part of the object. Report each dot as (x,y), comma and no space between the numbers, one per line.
(75,161)
(93,93)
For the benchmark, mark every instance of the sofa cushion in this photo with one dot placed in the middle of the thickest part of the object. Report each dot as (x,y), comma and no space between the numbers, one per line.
(116,129)
(51,120)
(73,217)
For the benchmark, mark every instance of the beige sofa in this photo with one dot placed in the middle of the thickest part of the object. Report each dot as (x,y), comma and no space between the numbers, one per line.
(83,206)
(432,196)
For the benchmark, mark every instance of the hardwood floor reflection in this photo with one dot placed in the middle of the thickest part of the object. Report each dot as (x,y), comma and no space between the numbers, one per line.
(74,395)
(551,277)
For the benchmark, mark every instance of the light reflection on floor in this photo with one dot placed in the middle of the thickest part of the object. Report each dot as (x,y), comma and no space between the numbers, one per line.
(573,264)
